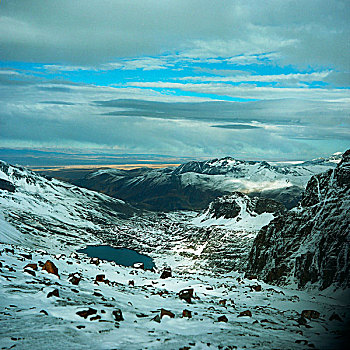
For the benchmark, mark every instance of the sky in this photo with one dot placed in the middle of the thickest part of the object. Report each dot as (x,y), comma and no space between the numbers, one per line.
(183,79)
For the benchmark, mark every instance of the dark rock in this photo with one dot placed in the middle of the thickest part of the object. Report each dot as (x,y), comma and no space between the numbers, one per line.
(95,261)
(310,314)
(164,312)
(43,312)
(222,318)
(336,317)
(26,256)
(245,313)
(118,315)
(7,186)
(222,302)
(131,283)
(30,271)
(87,313)
(139,266)
(32,266)
(186,294)
(166,273)
(257,288)
(54,293)
(74,278)
(50,267)
(100,278)
(156,319)
(187,313)
(302,321)
(94,318)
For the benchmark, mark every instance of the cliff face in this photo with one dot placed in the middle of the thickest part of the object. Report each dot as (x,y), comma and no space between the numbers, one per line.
(309,245)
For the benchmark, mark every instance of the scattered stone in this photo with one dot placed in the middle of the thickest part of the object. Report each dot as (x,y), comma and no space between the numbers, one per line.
(310,314)
(245,313)
(222,318)
(131,283)
(164,312)
(187,313)
(54,293)
(44,312)
(139,266)
(118,315)
(94,318)
(251,277)
(26,256)
(186,294)
(30,271)
(257,288)
(74,278)
(100,278)
(31,266)
(156,319)
(95,261)
(50,267)
(336,317)
(222,302)
(166,273)
(86,313)
(80,327)
(302,321)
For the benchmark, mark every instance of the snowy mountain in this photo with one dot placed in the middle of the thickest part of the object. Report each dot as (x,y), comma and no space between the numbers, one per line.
(310,245)
(55,298)
(192,186)
(45,209)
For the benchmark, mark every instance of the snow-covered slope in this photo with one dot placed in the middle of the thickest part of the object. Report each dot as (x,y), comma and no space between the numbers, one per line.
(239,212)
(310,245)
(50,209)
(195,184)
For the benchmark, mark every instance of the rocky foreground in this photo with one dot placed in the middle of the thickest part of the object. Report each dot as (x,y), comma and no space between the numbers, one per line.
(69,302)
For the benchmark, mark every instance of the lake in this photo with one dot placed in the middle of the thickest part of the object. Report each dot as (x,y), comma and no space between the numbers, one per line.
(121,256)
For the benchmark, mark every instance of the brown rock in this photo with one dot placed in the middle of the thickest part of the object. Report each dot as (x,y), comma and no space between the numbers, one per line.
(164,312)
(310,314)
(94,318)
(50,267)
(100,278)
(245,313)
(251,277)
(86,313)
(186,294)
(32,266)
(187,313)
(54,293)
(257,288)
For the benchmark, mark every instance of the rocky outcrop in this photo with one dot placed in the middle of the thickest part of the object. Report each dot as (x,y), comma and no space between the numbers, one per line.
(309,245)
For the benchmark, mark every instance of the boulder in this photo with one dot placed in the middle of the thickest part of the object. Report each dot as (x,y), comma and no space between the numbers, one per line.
(222,318)
(166,273)
(310,314)
(54,293)
(95,261)
(245,313)
(86,313)
(186,294)
(50,267)
(164,312)
(100,278)
(139,266)
(74,278)
(187,313)
(131,283)
(31,266)
(118,315)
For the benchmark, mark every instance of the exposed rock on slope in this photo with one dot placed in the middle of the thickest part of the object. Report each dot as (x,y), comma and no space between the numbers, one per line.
(310,244)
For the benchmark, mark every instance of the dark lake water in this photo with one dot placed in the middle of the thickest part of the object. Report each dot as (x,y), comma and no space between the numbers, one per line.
(122,256)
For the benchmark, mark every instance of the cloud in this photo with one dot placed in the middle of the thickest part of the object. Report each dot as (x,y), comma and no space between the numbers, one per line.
(84,32)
